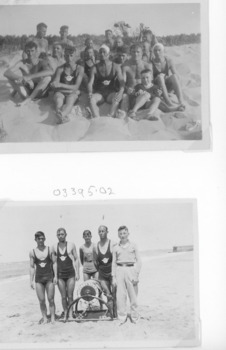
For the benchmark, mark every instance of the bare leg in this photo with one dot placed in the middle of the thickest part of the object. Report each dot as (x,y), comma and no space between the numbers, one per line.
(175,108)
(58,99)
(174,81)
(50,290)
(161,82)
(70,291)
(18,88)
(67,107)
(140,102)
(40,87)
(114,104)
(93,104)
(63,292)
(125,103)
(154,104)
(40,291)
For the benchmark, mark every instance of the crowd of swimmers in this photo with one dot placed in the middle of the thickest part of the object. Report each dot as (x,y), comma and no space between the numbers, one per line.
(115,266)
(128,78)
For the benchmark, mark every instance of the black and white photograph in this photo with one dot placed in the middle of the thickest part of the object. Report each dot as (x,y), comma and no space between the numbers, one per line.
(104,77)
(99,274)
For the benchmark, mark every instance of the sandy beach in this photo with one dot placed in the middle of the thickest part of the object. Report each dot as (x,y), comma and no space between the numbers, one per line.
(167,306)
(36,122)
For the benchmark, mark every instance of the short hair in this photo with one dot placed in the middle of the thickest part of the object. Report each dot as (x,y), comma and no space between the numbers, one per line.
(136,46)
(64,27)
(60,43)
(30,45)
(39,25)
(104,227)
(61,229)
(147,70)
(39,234)
(147,31)
(88,232)
(70,49)
(108,30)
(88,39)
(123,227)
(122,50)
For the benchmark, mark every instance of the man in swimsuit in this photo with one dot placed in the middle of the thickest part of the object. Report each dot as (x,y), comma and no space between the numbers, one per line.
(66,85)
(88,257)
(104,263)
(30,77)
(102,83)
(39,39)
(67,269)
(57,58)
(43,268)
(89,45)
(166,76)
(64,36)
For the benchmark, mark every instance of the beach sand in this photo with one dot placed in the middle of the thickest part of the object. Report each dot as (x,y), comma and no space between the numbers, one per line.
(167,306)
(36,122)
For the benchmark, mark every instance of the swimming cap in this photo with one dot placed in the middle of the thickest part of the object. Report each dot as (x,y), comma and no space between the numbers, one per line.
(158,45)
(106,48)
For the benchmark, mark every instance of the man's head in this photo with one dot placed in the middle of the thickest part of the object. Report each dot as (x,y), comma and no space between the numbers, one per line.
(40,238)
(146,47)
(146,77)
(158,50)
(103,231)
(104,52)
(58,49)
(123,233)
(88,43)
(41,30)
(119,41)
(89,53)
(122,54)
(147,35)
(70,54)
(64,32)
(31,49)
(108,34)
(87,235)
(61,234)
(136,52)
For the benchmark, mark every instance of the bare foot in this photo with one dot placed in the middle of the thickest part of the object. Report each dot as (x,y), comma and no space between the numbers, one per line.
(24,103)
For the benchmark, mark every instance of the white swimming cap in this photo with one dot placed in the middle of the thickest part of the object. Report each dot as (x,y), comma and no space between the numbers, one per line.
(106,48)
(158,45)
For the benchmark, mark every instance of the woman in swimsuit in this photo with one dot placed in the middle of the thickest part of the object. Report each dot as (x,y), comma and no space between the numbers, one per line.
(165,76)
(66,84)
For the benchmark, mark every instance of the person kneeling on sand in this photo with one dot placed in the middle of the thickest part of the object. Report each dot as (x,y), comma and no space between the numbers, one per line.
(31,76)
(126,266)
(102,81)
(43,268)
(166,76)
(66,84)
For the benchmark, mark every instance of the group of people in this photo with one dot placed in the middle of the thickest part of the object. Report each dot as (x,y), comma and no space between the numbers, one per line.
(128,78)
(116,266)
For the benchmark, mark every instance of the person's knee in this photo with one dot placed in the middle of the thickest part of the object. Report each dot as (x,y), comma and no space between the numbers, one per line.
(160,78)
(42,303)
(51,301)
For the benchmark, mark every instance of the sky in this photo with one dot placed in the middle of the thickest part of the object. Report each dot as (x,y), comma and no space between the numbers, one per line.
(162,19)
(152,224)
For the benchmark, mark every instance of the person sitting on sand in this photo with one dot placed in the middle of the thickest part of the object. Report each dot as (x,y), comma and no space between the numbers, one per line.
(31,76)
(64,36)
(101,84)
(148,96)
(126,266)
(89,46)
(43,269)
(166,76)
(121,55)
(57,59)
(118,43)
(67,269)
(88,257)
(66,84)
(39,39)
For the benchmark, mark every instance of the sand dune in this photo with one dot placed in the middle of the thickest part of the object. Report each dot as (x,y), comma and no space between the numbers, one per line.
(166,306)
(37,123)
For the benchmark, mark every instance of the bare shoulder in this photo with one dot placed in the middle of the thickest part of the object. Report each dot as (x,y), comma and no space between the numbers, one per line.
(31,254)
(71,246)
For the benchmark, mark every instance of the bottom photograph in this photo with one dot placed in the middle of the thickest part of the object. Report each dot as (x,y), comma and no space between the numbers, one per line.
(99,274)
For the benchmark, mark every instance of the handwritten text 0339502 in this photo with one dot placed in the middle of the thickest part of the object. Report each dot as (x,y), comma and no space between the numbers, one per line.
(91,191)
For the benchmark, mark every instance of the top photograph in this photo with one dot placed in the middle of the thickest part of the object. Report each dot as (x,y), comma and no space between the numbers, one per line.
(104,77)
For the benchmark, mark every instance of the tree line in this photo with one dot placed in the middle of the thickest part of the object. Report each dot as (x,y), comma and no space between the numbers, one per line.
(15,42)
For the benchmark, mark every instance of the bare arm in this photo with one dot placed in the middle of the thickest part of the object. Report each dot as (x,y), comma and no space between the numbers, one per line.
(54,260)
(32,270)
(172,67)
(91,80)
(11,73)
(75,261)
(81,254)
(47,71)
(113,266)
(121,80)
(138,260)
(128,77)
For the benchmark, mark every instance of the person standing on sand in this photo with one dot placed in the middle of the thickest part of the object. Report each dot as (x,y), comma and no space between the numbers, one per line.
(66,84)
(67,269)
(30,77)
(64,36)
(88,255)
(43,268)
(126,266)
(104,263)
(166,76)
(39,39)
(101,85)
